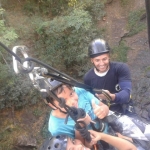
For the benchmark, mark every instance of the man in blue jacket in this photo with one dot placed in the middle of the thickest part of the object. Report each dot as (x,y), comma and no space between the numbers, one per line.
(113,77)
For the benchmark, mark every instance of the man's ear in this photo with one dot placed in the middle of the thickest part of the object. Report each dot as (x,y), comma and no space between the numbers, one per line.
(91,60)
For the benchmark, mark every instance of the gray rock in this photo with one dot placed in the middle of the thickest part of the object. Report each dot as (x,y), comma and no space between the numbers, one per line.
(26,141)
(148,107)
(145,114)
(138,110)
(148,110)
(148,74)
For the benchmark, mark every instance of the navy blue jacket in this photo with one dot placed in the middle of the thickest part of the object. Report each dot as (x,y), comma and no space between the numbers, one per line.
(118,74)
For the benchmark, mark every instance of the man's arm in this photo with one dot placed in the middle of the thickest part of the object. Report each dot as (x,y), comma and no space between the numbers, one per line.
(124,84)
(119,143)
(122,96)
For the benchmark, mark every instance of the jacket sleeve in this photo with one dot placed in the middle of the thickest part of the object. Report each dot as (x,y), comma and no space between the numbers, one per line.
(123,95)
(124,82)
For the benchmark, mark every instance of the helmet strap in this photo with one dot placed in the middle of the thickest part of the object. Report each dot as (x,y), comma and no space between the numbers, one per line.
(62,111)
(52,105)
(58,108)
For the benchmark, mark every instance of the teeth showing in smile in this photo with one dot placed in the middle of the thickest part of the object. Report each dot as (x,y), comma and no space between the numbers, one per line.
(102,67)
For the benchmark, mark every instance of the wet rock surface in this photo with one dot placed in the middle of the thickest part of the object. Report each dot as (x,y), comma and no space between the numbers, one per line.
(141,84)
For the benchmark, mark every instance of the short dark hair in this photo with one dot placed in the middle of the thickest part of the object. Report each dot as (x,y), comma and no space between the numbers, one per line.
(57,91)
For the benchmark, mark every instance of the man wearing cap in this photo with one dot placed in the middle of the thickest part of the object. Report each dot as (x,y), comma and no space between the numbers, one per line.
(113,77)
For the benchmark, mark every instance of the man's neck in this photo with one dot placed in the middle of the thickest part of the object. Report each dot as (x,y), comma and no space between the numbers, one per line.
(57,113)
(99,73)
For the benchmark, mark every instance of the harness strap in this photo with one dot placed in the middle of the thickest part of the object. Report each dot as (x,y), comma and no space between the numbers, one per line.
(82,128)
(101,124)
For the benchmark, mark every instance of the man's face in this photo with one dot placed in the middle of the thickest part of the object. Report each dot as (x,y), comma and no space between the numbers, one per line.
(101,62)
(70,96)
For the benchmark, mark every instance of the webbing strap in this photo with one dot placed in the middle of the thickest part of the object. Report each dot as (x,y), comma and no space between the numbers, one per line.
(83,130)
(101,125)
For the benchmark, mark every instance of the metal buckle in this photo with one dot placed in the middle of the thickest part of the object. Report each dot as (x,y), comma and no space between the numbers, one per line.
(117,114)
(130,108)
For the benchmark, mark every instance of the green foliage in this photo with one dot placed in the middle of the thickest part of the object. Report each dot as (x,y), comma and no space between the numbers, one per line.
(44,131)
(65,39)
(4,73)
(37,112)
(84,4)
(77,20)
(5,143)
(94,7)
(97,9)
(7,34)
(72,3)
(30,7)
(47,7)
(61,42)
(134,23)
(2,11)
(120,52)
(14,91)
(124,2)
(17,91)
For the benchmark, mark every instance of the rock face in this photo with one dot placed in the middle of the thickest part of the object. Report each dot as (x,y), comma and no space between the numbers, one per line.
(140,71)
(25,142)
(138,57)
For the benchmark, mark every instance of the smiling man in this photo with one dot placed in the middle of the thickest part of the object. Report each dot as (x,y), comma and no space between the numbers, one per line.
(113,77)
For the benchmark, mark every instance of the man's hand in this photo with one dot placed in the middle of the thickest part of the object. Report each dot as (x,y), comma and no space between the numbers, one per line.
(102,96)
(95,136)
(101,110)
